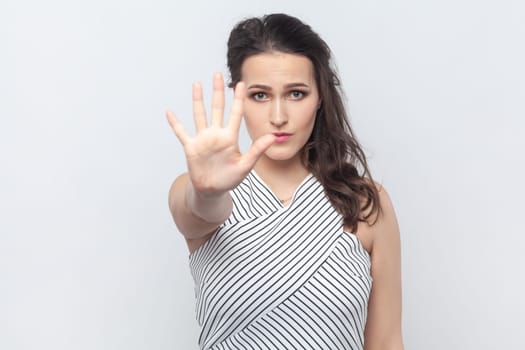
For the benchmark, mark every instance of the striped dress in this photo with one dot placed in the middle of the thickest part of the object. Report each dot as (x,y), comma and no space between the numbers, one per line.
(281,277)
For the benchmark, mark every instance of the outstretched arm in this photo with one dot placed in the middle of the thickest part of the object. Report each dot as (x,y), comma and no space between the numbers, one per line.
(199,200)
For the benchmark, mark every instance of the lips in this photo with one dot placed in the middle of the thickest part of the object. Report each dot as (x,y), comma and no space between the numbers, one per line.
(281,136)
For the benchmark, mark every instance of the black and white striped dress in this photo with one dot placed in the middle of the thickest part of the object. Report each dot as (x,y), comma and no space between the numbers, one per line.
(276,277)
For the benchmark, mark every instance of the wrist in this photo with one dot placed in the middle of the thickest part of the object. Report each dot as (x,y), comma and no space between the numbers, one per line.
(214,208)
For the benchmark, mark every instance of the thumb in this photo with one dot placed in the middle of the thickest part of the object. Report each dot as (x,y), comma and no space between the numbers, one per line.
(256,150)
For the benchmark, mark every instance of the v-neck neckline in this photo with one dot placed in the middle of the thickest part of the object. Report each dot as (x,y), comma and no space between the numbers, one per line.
(274,196)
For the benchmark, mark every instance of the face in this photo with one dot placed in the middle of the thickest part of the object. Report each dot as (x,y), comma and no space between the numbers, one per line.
(282,99)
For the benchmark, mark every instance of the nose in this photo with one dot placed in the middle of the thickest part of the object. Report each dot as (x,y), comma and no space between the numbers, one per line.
(278,116)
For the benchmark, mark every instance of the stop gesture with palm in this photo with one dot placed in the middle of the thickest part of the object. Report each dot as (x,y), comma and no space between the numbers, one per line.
(215,163)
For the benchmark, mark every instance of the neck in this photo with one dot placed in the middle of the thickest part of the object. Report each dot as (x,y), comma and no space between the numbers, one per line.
(282,177)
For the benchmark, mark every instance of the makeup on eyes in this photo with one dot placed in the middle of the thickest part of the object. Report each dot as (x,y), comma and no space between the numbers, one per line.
(263,95)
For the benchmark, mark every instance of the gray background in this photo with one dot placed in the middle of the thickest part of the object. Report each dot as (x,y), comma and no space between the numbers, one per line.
(89,256)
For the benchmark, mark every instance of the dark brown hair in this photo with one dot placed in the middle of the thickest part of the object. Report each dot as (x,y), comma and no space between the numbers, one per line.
(332,154)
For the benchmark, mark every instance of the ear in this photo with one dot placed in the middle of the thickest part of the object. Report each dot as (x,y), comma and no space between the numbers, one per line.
(319,104)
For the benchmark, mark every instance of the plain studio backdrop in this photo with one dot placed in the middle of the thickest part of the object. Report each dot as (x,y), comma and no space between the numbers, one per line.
(89,255)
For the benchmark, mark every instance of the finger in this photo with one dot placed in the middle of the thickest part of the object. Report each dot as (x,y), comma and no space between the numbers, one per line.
(256,150)
(199,112)
(177,127)
(217,103)
(236,112)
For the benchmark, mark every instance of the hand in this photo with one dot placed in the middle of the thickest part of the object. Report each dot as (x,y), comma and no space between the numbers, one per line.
(215,164)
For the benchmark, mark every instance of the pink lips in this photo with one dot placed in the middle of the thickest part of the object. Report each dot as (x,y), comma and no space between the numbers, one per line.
(281,136)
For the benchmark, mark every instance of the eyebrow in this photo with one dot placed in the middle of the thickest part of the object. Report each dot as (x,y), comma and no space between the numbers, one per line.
(287,86)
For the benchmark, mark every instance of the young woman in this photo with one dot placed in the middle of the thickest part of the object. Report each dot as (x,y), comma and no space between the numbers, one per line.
(292,244)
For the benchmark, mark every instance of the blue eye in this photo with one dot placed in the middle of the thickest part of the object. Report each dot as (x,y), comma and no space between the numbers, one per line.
(296,95)
(259,96)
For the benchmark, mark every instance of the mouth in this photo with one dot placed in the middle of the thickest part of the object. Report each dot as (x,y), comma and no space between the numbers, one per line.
(281,136)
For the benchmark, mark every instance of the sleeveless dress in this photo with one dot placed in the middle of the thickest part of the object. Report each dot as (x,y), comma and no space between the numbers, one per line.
(281,277)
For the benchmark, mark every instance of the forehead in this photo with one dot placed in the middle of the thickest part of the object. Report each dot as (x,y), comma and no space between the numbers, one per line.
(277,67)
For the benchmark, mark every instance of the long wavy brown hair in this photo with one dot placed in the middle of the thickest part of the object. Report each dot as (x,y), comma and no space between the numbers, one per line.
(332,154)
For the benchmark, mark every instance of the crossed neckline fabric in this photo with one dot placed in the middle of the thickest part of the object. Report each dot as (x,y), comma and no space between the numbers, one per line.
(281,277)
(270,191)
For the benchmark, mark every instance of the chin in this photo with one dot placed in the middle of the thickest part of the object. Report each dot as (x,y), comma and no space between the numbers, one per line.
(280,156)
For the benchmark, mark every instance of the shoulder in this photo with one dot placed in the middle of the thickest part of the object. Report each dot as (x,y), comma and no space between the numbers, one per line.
(381,229)
(384,226)
(177,187)
(386,215)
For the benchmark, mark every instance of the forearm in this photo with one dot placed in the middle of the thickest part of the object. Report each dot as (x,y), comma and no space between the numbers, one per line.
(211,209)
(195,214)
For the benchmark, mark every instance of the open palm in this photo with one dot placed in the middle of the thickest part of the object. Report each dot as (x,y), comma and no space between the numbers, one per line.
(215,163)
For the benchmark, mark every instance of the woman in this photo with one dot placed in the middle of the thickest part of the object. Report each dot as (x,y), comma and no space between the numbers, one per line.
(292,245)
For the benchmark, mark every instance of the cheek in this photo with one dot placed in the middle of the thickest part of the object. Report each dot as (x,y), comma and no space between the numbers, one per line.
(308,119)
(310,127)
(254,117)
(251,125)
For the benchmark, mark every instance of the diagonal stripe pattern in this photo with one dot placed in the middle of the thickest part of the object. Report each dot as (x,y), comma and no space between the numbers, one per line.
(275,277)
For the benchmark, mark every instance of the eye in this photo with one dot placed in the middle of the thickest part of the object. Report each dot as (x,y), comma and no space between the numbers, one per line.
(259,96)
(296,95)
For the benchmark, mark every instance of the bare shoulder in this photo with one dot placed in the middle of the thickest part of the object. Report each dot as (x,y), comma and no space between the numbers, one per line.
(176,196)
(382,226)
(385,227)
(177,187)
(387,214)
(186,223)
